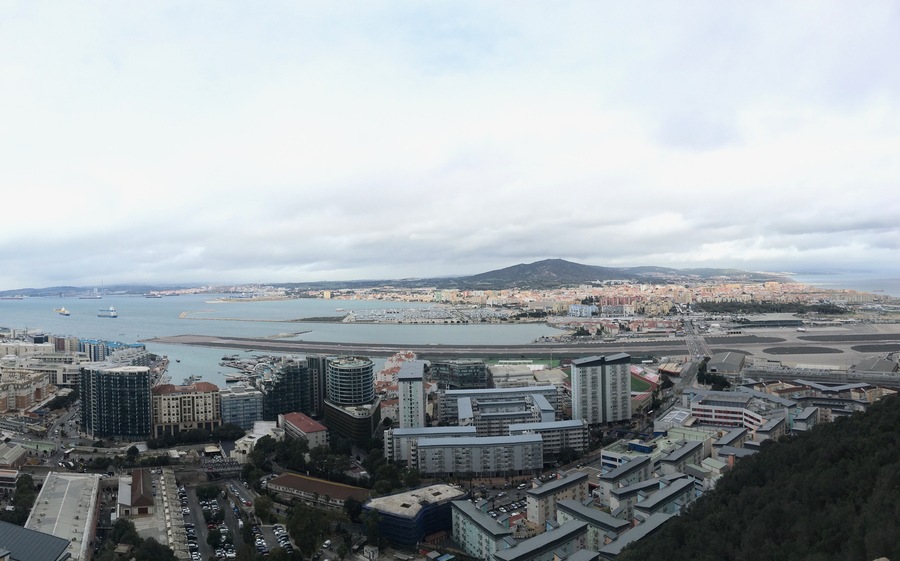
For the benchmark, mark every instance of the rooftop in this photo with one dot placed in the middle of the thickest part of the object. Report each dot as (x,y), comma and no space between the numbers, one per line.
(66,507)
(640,531)
(597,360)
(485,522)
(554,485)
(311,485)
(547,541)
(665,494)
(197,387)
(31,545)
(410,503)
(594,516)
(679,453)
(305,424)
(481,440)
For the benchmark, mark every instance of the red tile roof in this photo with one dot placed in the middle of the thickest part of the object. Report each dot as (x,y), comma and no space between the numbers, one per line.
(303,423)
(198,387)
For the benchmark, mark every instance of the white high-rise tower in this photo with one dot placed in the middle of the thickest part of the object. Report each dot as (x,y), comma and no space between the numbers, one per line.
(411,387)
(601,388)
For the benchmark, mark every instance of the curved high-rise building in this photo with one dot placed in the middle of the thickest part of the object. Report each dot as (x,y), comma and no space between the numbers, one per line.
(350,381)
(351,407)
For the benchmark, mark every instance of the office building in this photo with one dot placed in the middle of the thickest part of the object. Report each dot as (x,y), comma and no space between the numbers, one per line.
(115,401)
(241,405)
(601,389)
(179,409)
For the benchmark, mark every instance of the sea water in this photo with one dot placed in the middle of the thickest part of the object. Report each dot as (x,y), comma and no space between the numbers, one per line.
(142,318)
(886,284)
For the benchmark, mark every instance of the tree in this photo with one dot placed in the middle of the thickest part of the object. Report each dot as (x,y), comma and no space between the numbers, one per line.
(214,538)
(263,507)
(132,453)
(353,508)
(373,532)
(208,492)
(307,526)
(566,455)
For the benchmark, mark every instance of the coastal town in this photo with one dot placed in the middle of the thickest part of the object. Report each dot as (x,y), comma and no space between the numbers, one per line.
(575,445)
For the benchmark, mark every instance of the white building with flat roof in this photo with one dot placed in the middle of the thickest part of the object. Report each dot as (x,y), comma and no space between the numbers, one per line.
(67,507)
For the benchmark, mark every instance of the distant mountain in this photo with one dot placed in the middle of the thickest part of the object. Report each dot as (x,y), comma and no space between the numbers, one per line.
(546,273)
(549,273)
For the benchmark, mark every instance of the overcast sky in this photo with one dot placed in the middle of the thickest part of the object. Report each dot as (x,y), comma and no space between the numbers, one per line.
(299,141)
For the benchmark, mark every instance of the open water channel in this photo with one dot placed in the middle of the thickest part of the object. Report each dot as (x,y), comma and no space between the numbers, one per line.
(142,318)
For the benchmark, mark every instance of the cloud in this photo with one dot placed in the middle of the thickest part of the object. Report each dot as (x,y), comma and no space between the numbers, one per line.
(223,143)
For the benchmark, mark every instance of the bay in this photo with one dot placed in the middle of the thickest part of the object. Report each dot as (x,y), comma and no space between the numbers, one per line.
(878,283)
(146,318)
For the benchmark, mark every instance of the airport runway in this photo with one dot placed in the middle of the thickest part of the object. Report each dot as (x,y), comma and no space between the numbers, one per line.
(836,346)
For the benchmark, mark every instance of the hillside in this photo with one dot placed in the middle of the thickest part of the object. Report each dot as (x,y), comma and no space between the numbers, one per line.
(831,494)
(548,273)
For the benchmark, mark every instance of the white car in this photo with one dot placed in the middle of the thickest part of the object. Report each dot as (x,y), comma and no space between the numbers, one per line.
(327,544)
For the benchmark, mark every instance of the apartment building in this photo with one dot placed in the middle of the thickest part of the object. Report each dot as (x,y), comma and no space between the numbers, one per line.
(601,388)
(241,405)
(401,444)
(638,469)
(411,394)
(449,400)
(557,434)
(480,535)
(558,543)
(541,500)
(487,456)
(669,499)
(602,527)
(115,401)
(177,409)
(298,425)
